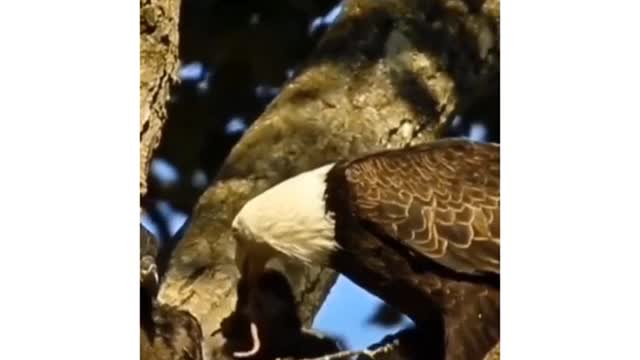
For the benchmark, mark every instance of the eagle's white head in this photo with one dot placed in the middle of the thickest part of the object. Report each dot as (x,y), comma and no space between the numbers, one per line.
(287,222)
(288,219)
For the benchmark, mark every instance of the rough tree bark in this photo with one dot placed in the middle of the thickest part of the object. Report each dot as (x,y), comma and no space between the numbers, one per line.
(388,74)
(158,66)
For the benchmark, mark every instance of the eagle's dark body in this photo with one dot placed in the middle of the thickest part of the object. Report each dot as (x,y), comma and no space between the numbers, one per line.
(420,228)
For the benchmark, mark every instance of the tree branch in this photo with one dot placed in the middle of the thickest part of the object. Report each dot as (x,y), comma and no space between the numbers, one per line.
(165,332)
(387,75)
(403,345)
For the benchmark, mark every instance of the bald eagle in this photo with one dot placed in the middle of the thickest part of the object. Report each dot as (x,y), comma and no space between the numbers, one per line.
(419,227)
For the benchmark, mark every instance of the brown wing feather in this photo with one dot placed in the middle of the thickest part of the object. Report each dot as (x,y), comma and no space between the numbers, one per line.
(472,317)
(441,200)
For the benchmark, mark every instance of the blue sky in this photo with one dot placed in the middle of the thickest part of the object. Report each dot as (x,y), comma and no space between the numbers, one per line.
(346,312)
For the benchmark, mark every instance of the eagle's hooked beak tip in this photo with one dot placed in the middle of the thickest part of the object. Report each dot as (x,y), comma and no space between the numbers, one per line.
(255,339)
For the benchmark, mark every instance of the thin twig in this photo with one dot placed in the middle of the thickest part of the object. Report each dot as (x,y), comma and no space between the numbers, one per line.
(348,354)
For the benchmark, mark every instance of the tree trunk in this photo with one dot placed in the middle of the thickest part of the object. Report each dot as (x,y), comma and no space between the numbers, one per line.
(386,75)
(158,66)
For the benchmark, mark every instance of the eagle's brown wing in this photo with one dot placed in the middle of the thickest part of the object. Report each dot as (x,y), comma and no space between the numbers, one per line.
(441,200)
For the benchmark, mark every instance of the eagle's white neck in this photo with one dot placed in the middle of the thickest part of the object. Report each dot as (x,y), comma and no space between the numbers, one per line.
(291,218)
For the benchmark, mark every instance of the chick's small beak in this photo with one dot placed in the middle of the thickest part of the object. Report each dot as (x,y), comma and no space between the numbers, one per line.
(149,273)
